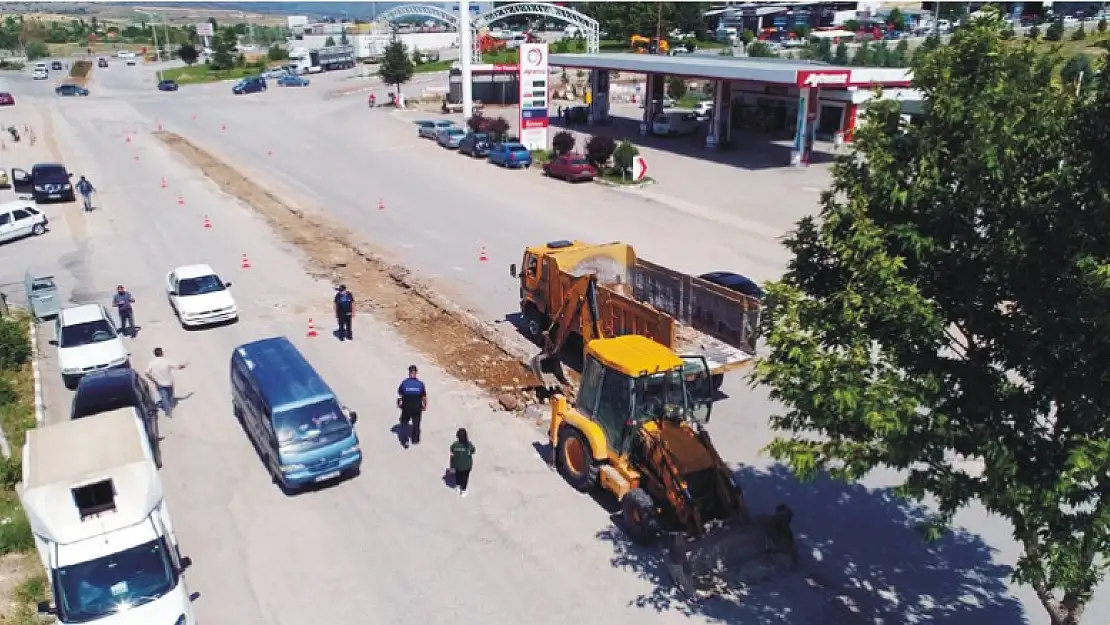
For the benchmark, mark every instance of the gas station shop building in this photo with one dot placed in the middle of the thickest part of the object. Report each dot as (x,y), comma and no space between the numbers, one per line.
(815,100)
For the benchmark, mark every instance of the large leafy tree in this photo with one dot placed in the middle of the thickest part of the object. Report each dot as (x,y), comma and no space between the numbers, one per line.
(945,314)
(396,68)
(624,19)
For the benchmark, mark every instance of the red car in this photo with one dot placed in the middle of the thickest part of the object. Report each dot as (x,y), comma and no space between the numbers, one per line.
(6,99)
(570,167)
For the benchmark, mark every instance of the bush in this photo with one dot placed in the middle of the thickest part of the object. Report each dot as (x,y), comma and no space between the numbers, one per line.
(498,129)
(1007,33)
(676,87)
(36,50)
(1034,32)
(80,69)
(478,122)
(277,53)
(1102,25)
(562,143)
(599,149)
(1055,30)
(15,529)
(188,53)
(1080,34)
(15,66)
(15,344)
(623,155)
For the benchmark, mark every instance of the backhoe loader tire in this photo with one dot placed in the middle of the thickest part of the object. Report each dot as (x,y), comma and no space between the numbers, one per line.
(535,323)
(575,461)
(641,519)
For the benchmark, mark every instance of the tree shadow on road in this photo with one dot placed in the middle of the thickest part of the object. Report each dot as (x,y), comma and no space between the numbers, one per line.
(857,544)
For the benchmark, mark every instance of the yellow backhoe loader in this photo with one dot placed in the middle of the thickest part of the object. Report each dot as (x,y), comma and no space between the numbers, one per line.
(636,428)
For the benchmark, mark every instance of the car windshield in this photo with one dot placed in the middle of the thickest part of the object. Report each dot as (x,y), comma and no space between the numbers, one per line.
(577,161)
(481,136)
(97,588)
(445,124)
(199,286)
(314,425)
(660,396)
(88,333)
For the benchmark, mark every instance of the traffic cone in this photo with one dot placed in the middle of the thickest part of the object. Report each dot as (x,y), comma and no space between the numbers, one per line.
(159,126)
(180,201)
(483,255)
(136,157)
(207,223)
(311,329)
(129,138)
(194,117)
(269,152)
(246,263)
(381,205)
(223,126)
(163,182)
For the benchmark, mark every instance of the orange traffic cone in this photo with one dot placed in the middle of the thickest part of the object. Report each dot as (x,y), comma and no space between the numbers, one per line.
(311,329)
(483,255)
(180,201)
(381,205)
(129,138)
(207,223)
(246,263)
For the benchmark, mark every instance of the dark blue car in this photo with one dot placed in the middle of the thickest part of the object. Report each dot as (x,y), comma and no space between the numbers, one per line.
(167,85)
(290,80)
(475,144)
(510,155)
(69,89)
(734,282)
(253,84)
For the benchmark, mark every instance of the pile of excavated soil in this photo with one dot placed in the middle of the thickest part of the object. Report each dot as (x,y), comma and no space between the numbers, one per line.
(459,343)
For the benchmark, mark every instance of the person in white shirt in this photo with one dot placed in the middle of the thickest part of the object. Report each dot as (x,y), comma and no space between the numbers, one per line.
(160,372)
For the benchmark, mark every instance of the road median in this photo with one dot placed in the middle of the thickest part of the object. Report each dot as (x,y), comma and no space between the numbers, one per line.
(470,349)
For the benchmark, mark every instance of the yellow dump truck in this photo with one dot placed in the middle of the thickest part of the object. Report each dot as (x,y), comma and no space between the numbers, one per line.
(684,313)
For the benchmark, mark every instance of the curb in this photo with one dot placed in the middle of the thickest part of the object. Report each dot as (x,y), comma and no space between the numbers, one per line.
(40,405)
(617,185)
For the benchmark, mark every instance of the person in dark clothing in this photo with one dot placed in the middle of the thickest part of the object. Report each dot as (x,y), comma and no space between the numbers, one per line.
(412,399)
(122,301)
(462,460)
(344,311)
(85,188)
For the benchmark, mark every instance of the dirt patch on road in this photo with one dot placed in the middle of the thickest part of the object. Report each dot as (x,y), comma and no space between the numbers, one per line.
(461,344)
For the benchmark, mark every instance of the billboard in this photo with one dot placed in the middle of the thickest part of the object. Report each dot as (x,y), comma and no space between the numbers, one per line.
(534,90)
(204,29)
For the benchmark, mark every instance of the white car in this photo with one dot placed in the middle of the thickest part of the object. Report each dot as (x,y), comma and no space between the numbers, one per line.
(125,54)
(199,297)
(703,109)
(674,124)
(40,73)
(20,219)
(87,341)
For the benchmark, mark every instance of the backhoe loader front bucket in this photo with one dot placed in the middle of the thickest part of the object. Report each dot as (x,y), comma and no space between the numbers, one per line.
(549,370)
(732,554)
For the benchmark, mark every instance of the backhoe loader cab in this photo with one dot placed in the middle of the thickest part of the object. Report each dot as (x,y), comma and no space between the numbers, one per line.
(635,428)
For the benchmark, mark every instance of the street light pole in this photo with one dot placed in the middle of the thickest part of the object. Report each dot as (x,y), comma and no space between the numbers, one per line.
(465,52)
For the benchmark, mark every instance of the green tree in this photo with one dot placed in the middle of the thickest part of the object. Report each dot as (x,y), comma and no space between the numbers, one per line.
(623,156)
(747,37)
(330,41)
(224,43)
(881,55)
(948,302)
(1102,25)
(343,38)
(896,20)
(396,68)
(1077,68)
(863,56)
(188,54)
(676,87)
(621,20)
(36,50)
(1055,30)
(277,53)
(1080,33)
(851,26)
(841,55)
(417,58)
(900,57)
(1034,32)
(760,49)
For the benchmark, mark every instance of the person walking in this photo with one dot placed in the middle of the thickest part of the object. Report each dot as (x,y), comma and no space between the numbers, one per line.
(412,399)
(160,372)
(85,188)
(344,311)
(122,302)
(462,460)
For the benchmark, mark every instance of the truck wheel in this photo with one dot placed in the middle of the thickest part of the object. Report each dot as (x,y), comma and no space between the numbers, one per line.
(640,517)
(574,460)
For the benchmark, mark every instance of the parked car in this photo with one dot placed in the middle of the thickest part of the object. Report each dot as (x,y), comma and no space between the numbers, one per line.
(289,80)
(450,137)
(674,124)
(131,62)
(427,129)
(40,73)
(20,219)
(45,182)
(703,109)
(253,84)
(276,73)
(70,89)
(6,99)
(167,85)
(102,62)
(87,342)
(735,282)
(199,297)
(107,391)
(475,144)
(667,102)
(510,154)
(56,66)
(570,167)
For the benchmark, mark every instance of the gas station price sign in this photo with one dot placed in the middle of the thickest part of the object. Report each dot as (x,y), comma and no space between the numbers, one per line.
(534,101)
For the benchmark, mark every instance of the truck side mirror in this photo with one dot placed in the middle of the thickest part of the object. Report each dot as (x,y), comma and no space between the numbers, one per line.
(186,562)
(512,270)
(45,609)
(354,417)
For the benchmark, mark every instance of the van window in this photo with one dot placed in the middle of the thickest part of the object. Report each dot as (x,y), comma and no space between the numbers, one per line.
(307,427)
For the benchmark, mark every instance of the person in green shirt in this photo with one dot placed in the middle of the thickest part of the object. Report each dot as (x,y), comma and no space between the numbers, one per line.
(462,460)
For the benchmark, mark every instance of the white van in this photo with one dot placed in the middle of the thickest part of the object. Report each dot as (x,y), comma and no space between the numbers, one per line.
(41,72)
(21,219)
(101,526)
(674,124)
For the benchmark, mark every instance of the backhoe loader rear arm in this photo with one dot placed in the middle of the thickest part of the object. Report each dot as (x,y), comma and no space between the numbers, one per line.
(581,300)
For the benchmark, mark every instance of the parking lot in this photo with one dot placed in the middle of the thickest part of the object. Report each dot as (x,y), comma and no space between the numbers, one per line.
(394,545)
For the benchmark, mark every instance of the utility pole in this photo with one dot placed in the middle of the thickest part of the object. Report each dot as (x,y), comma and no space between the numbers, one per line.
(659,29)
(465,52)
(166,35)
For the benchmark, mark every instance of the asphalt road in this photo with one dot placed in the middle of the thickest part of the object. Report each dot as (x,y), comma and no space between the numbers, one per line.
(394,546)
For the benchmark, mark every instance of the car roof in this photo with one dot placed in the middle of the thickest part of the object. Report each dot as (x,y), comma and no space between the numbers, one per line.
(81,314)
(193,271)
(47,166)
(283,375)
(444,122)
(425,122)
(8,207)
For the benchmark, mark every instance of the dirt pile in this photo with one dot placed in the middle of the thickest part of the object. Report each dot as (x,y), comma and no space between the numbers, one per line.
(461,344)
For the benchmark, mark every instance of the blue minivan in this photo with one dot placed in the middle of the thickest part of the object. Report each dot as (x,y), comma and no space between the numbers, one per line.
(301,431)
(250,84)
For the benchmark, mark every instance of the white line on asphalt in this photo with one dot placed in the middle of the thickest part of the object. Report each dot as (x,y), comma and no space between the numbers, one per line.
(407,246)
(457,268)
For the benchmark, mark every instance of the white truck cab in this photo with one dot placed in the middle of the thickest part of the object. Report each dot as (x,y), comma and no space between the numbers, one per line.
(96,507)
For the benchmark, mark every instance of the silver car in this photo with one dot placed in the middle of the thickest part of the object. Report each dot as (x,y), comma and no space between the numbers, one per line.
(426,129)
(450,137)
